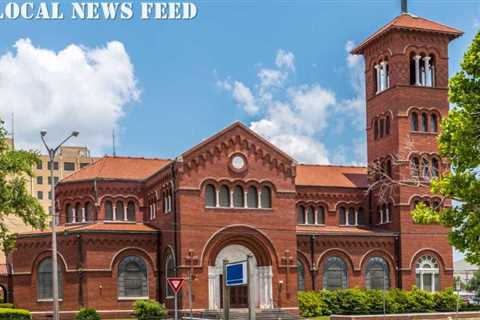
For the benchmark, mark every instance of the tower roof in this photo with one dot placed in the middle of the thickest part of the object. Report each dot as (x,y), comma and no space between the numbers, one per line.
(410,22)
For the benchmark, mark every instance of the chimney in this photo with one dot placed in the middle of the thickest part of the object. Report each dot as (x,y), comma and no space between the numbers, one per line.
(404,6)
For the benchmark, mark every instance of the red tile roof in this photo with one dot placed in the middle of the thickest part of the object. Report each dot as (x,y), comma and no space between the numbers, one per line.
(407,21)
(124,168)
(331,176)
(341,230)
(119,226)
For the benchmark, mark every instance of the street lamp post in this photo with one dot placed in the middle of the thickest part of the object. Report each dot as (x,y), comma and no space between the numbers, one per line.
(51,158)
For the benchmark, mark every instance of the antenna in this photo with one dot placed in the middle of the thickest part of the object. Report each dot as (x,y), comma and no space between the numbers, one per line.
(113,143)
(404,6)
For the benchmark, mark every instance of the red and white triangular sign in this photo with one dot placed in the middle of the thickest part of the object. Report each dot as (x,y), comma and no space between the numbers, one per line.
(175,284)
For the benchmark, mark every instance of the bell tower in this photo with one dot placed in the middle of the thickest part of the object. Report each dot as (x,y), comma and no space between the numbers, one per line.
(406,70)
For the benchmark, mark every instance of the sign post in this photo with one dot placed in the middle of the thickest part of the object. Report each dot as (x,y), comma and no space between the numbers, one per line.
(226,292)
(239,274)
(175,284)
(251,294)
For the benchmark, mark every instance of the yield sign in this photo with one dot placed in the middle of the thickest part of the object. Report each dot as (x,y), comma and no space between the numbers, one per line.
(175,284)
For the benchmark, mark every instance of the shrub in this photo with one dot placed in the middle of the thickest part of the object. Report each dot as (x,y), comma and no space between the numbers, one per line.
(396,301)
(87,314)
(7,305)
(148,309)
(15,314)
(375,301)
(352,301)
(420,301)
(447,300)
(312,304)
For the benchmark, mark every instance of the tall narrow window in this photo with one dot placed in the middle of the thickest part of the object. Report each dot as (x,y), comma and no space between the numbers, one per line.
(435,167)
(335,274)
(300,276)
(310,215)
(69,210)
(44,280)
(131,211)
(342,216)
(382,127)
(301,215)
(415,167)
(387,125)
(320,215)
(424,122)
(88,211)
(377,274)
(425,168)
(388,168)
(427,274)
(132,278)
(375,129)
(384,213)
(169,272)
(266,197)
(238,197)
(252,197)
(210,196)
(119,211)
(224,196)
(433,122)
(414,121)
(361,217)
(108,210)
(78,213)
(352,221)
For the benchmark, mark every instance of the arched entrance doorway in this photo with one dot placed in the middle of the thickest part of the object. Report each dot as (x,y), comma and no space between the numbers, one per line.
(261,282)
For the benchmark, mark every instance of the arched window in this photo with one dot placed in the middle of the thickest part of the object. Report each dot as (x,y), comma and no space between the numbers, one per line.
(387,125)
(88,211)
(425,168)
(169,272)
(266,197)
(310,215)
(375,129)
(436,205)
(300,276)
(384,213)
(78,213)
(131,210)
(352,221)
(301,215)
(132,278)
(412,69)
(388,167)
(335,274)
(210,196)
(415,167)
(377,274)
(414,121)
(361,216)
(119,211)
(44,280)
(320,215)
(69,210)
(435,167)
(424,122)
(252,197)
(389,212)
(108,210)
(427,273)
(224,197)
(342,216)
(433,122)
(238,197)
(382,127)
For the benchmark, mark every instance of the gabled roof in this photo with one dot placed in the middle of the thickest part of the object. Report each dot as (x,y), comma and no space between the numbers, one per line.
(119,168)
(244,128)
(408,21)
(331,176)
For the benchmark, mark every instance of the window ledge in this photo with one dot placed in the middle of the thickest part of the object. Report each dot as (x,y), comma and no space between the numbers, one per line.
(239,208)
(312,224)
(119,221)
(132,298)
(48,300)
(428,133)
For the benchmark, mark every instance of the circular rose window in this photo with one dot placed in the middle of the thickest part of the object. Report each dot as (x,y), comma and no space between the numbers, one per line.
(238,162)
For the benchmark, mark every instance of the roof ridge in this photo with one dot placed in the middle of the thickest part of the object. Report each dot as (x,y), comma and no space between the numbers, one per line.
(330,165)
(134,158)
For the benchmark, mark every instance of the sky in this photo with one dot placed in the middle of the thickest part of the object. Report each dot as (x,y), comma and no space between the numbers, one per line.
(281,67)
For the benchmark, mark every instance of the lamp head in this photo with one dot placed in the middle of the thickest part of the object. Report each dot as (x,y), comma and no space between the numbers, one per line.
(75,134)
(43,133)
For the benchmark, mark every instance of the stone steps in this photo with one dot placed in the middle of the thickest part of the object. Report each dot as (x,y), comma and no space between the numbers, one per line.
(242,314)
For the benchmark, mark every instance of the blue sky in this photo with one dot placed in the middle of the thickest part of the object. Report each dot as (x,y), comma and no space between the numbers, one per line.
(184,71)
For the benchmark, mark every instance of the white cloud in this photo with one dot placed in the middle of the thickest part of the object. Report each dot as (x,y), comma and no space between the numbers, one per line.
(296,117)
(76,88)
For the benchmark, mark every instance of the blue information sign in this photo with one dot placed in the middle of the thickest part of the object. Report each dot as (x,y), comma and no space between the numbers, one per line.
(236,274)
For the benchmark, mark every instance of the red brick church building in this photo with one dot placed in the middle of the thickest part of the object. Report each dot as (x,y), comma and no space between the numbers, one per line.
(125,224)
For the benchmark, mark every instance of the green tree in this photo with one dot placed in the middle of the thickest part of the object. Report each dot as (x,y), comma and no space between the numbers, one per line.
(460,143)
(15,169)
(474,283)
